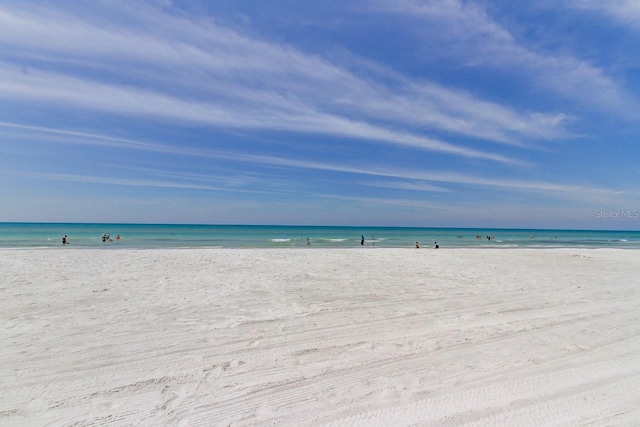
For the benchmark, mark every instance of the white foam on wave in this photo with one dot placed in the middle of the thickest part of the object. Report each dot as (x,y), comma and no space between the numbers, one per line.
(280,240)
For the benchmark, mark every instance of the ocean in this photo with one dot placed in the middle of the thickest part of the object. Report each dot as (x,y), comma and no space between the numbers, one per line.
(143,236)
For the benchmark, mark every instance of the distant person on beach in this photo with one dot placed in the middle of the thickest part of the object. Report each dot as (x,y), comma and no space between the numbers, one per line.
(65,240)
(417,245)
(362,240)
(308,241)
(436,245)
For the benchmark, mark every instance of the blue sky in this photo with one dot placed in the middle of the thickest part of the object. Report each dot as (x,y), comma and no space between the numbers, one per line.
(367,112)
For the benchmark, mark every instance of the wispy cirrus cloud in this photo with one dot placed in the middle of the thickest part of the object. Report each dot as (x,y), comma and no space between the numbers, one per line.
(396,178)
(425,104)
(198,72)
(477,40)
(174,181)
(623,11)
(418,181)
(122,100)
(420,186)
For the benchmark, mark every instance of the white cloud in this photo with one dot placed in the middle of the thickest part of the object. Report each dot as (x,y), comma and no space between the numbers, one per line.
(405,179)
(623,11)
(477,40)
(420,186)
(78,93)
(172,183)
(415,181)
(193,70)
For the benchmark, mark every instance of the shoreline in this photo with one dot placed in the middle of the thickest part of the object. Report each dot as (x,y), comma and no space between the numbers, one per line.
(174,236)
(115,247)
(330,336)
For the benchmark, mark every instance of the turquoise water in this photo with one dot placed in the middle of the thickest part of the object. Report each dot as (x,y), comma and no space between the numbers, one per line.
(31,235)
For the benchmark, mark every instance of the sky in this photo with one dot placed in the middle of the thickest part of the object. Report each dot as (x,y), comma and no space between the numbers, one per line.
(435,113)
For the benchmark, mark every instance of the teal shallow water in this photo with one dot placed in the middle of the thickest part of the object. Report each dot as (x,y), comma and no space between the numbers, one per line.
(31,235)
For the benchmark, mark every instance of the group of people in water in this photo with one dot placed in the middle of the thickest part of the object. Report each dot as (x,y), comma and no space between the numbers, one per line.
(106,237)
(435,245)
(478,237)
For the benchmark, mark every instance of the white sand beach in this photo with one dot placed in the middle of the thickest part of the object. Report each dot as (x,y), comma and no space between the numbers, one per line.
(306,336)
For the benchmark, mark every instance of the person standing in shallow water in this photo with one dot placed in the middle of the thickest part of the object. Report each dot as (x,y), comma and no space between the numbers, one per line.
(362,240)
